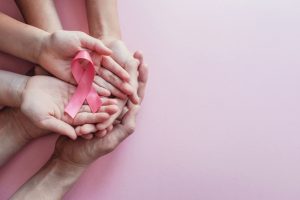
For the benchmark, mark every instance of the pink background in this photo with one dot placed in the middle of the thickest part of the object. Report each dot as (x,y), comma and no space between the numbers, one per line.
(221,118)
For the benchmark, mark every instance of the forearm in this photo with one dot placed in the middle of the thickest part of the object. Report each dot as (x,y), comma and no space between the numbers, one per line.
(41,14)
(51,182)
(12,138)
(11,88)
(103,18)
(20,39)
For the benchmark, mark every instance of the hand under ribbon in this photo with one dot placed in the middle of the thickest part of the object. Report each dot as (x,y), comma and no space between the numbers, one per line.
(83,71)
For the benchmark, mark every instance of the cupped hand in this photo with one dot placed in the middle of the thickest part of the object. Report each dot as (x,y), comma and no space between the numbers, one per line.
(82,152)
(44,99)
(59,48)
(142,73)
(122,56)
(103,128)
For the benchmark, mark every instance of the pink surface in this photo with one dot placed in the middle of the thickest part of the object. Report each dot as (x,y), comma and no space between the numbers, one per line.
(221,118)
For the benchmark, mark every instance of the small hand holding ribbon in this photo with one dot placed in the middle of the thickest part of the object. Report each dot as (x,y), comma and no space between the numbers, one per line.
(83,71)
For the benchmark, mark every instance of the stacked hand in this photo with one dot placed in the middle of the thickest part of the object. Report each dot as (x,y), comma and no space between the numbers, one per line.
(44,98)
(41,100)
(82,152)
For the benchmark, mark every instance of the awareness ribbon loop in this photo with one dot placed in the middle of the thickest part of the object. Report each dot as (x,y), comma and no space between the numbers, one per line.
(83,71)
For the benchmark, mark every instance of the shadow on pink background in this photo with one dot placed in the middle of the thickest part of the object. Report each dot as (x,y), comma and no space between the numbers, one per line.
(221,118)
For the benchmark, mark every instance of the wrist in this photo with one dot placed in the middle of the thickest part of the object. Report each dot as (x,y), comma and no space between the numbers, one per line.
(103,18)
(11,137)
(27,130)
(20,88)
(105,33)
(62,170)
(41,47)
(11,88)
(53,180)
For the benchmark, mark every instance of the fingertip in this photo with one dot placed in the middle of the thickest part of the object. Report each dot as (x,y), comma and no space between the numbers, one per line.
(73,136)
(114,109)
(88,136)
(135,99)
(126,77)
(104,50)
(78,130)
(128,89)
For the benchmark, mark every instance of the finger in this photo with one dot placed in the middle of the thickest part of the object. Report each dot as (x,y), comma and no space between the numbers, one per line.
(110,128)
(110,109)
(105,108)
(59,127)
(143,73)
(40,71)
(87,129)
(114,80)
(105,102)
(101,134)
(129,118)
(89,118)
(114,67)
(88,136)
(108,122)
(126,127)
(101,90)
(109,101)
(139,55)
(134,98)
(132,67)
(114,91)
(124,111)
(93,44)
(105,124)
(85,108)
(143,78)
(116,122)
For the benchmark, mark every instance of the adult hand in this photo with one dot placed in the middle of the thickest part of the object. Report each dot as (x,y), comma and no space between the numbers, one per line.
(44,99)
(122,56)
(82,152)
(104,127)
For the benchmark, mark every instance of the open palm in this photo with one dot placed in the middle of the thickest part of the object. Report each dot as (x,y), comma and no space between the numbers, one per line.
(83,152)
(59,48)
(44,99)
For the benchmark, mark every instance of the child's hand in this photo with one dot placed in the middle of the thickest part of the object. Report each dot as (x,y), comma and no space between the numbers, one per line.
(101,129)
(142,73)
(59,48)
(43,102)
(112,76)
(122,56)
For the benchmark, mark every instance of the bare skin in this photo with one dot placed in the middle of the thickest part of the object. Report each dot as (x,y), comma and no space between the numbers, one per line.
(71,158)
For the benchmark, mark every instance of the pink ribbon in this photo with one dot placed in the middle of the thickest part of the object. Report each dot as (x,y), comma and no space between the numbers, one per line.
(83,71)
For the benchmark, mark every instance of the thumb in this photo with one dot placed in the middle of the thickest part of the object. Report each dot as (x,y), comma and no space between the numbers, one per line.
(93,44)
(130,116)
(59,127)
(127,125)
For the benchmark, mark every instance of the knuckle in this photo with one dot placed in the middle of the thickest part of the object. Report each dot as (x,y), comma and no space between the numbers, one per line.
(130,129)
(100,71)
(110,147)
(112,78)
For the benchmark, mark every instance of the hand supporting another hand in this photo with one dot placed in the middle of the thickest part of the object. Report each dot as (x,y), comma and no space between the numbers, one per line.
(59,48)
(102,128)
(44,99)
(70,158)
(82,152)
